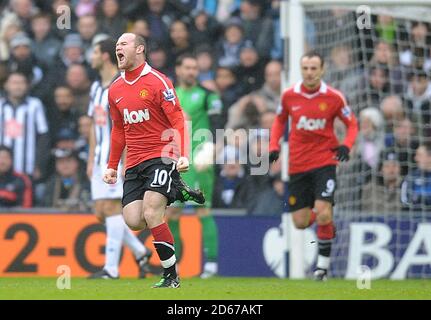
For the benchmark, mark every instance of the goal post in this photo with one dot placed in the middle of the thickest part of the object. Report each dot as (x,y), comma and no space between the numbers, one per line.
(295,18)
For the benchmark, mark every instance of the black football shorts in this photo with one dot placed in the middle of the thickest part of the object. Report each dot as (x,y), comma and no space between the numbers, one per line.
(155,175)
(306,187)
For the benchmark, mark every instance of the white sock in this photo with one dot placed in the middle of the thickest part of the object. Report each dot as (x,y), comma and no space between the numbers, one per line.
(211,267)
(133,243)
(323,262)
(114,240)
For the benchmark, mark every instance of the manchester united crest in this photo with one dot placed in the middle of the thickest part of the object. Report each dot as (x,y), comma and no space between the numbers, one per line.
(323,106)
(144,93)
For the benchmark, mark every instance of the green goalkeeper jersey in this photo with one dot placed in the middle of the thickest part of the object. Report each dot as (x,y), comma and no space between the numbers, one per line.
(199,104)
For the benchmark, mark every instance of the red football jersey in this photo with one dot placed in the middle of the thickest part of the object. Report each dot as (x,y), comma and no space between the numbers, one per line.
(144,111)
(311,135)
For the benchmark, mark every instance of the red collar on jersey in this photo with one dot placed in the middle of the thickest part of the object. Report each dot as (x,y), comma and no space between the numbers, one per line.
(309,91)
(135,73)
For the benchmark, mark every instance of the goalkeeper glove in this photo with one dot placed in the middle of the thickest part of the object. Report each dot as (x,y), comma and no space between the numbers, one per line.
(273,156)
(342,152)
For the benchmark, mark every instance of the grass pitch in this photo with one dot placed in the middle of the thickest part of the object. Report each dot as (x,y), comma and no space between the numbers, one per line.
(217,288)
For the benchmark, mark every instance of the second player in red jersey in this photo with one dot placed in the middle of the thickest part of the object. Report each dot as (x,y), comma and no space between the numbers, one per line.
(314,151)
(312,114)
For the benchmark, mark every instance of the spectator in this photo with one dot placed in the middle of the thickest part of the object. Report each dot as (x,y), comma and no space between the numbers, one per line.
(67,189)
(383,193)
(227,87)
(257,27)
(386,28)
(78,81)
(62,114)
(231,190)
(71,53)
(205,62)
(205,29)
(158,59)
(7,32)
(370,141)
(22,11)
(404,143)
(110,18)
(418,102)
(180,40)
(413,56)
(65,139)
(23,60)
(270,200)
(87,28)
(15,188)
(142,28)
(251,68)
(416,187)
(45,46)
(23,127)
(271,90)
(3,77)
(379,86)
(245,113)
(159,17)
(228,48)
(222,10)
(344,74)
(392,109)
(386,57)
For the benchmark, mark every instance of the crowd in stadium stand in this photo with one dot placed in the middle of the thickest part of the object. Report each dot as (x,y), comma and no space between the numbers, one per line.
(44,65)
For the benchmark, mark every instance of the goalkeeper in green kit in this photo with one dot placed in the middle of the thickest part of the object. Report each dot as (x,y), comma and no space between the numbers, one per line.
(203,110)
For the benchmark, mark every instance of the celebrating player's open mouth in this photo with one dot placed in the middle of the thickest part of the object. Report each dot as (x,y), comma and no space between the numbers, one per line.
(121,60)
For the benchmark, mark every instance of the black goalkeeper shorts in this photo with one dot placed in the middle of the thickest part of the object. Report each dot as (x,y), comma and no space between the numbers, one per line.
(306,187)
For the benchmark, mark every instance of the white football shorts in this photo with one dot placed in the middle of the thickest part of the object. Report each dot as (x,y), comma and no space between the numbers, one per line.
(101,190)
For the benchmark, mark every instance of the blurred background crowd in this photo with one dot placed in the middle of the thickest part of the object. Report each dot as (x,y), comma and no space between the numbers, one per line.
(45,79)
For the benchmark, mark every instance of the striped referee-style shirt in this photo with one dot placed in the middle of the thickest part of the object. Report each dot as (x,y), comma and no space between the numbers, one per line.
(19,127)
(98,109)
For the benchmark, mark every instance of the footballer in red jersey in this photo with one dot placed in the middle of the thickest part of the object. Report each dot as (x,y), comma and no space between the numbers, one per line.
(147,119)
(314,151)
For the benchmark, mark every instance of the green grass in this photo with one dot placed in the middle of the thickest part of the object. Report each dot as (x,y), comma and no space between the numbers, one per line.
(213,289)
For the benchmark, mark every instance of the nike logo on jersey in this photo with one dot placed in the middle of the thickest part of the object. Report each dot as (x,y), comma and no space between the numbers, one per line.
(295,108)
(118,100)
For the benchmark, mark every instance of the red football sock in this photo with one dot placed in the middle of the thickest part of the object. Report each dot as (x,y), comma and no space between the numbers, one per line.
(326,232)
(162,233)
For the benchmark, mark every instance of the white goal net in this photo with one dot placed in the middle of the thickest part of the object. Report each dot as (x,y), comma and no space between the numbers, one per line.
(380,58)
